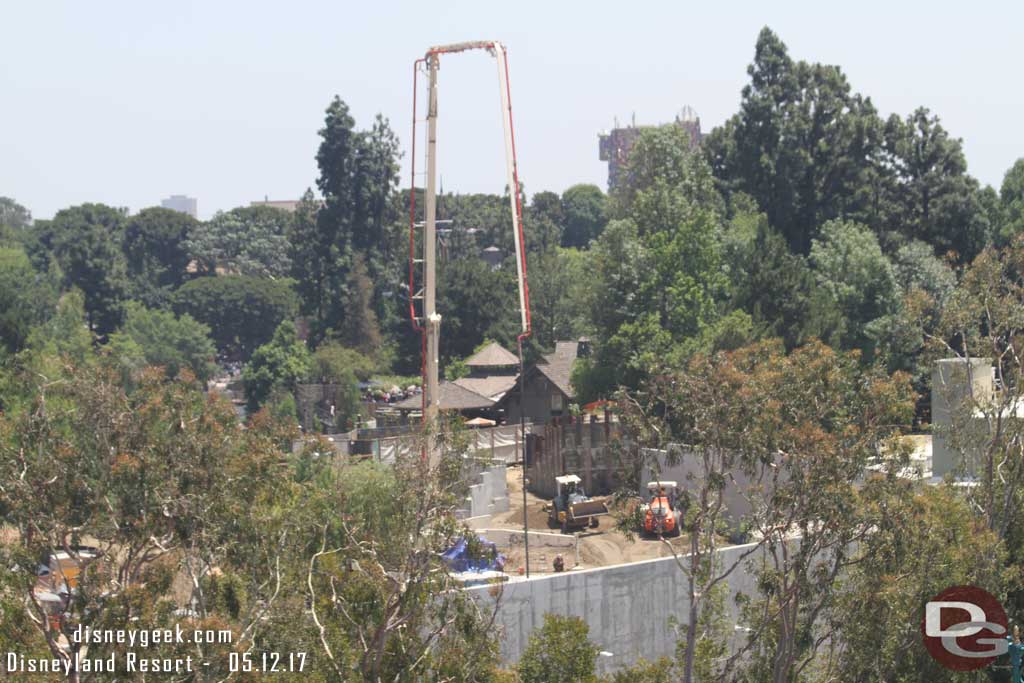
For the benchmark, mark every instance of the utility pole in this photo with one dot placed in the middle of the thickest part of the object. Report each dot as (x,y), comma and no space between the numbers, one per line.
(432,320)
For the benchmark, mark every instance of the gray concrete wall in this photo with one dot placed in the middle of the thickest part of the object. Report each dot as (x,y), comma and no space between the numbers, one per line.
(488,496)
(958,385)
(627,607)
(687,473)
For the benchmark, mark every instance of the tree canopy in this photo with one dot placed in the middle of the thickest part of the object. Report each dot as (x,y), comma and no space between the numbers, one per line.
(85,241)
(168,341)
(156,255)
(245,241)
(242,312)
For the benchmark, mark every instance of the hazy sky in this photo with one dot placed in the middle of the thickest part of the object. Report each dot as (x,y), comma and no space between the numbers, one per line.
(129,102)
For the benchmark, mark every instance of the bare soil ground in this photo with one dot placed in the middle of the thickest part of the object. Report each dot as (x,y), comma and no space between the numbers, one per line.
(601,547)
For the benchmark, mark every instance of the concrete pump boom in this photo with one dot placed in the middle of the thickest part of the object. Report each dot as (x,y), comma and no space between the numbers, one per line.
(428,320)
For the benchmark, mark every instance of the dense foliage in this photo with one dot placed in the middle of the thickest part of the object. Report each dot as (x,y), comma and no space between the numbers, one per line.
(773,297)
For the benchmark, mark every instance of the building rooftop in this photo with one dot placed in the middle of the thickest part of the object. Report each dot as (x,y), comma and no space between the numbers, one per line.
(494,355)
(557,366)
(492,386)
(453,397)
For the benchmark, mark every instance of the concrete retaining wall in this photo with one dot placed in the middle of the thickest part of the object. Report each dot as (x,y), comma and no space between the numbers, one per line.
(687,473)
(488,496)
(627,607)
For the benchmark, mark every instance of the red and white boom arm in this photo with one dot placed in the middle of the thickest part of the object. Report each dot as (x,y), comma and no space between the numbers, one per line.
(428,321)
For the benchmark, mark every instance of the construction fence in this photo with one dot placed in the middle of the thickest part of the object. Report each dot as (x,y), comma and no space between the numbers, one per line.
(499,444)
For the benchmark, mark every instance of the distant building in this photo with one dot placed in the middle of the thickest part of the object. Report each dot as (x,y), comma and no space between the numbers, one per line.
(288,205)
(492,256)
(615,146)
(492,373)
(548,391)
(179,202)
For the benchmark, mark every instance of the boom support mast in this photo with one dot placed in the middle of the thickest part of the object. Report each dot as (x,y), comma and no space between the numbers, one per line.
(428,320)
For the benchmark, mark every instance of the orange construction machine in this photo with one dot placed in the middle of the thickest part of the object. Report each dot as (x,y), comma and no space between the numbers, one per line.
(661,518)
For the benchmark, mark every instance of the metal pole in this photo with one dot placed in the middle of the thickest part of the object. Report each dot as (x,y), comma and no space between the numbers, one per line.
(522,431)
(432,320)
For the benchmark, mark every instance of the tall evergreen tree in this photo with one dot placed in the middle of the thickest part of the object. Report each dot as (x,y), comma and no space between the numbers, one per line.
(932,197)
(802,145)
(358,173)
(361,330)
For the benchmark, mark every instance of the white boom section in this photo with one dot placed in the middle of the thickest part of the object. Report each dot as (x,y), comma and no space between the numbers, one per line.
(431,317)
(506,122)
(432,320)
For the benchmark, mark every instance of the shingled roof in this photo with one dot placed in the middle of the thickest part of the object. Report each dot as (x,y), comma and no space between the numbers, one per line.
(492,386)
(494,355)
(453,397)
(557,366)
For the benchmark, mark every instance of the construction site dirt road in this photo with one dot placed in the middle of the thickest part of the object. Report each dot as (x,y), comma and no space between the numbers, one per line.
(603,546)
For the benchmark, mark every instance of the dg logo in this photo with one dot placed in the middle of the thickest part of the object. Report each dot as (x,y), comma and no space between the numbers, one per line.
(964,628)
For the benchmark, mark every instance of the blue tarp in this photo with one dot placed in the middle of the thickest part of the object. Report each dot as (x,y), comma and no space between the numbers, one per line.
(457,558)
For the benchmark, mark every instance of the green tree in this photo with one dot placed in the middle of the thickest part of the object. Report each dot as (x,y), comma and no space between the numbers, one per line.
(981,319)
(14,215)
(386,522)
(358,174)
(850,266)
(585,215)
(246,241)
(663,155)
(15,220)
(475,303)
(161,479)
(776,287)
(926,283)
(923,543)
(66,333)
(808,467)
(557,279)
(86,242)
(681,237)
(660,671)
(241,311)
(27,298)
(361,330)
(657,274)
(802,145)
(333,363)
(546,222)
(1011,196)
(933,199)
(560,650)
(488,214)
(277,365)
(155,254)
(168,341)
